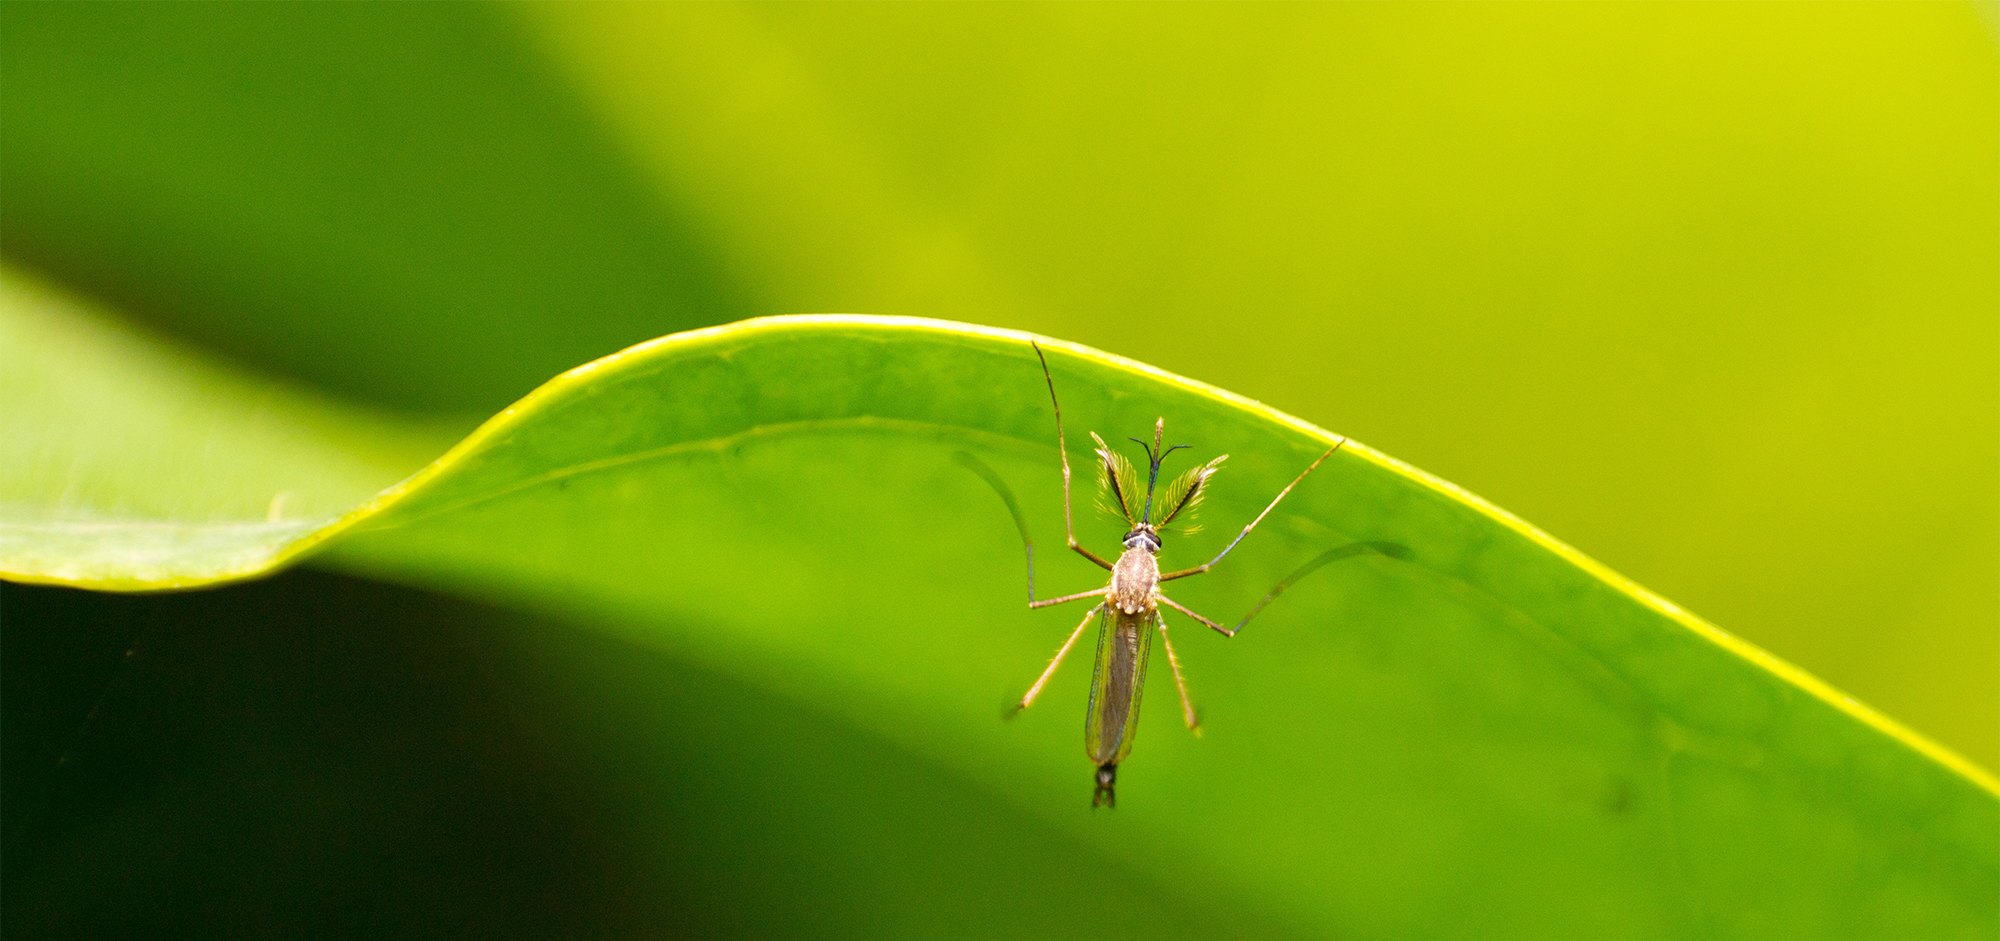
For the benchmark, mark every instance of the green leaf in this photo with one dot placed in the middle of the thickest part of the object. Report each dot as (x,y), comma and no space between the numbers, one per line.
(130,464)
(1618,297)
(1476,733)
(1646,306)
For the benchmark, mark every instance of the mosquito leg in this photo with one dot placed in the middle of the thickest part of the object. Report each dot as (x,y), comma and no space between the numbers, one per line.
(1093,593)
(1069,523)
(1171,603)
(1043,680)
(1331,555)
(1187,705)
(966,460)
(1205,566)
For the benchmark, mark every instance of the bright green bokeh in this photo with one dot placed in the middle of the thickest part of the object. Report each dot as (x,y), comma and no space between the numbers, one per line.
(399,203)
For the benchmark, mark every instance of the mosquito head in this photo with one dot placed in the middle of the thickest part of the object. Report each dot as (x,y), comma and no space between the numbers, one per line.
(1154,455)
(1144,537)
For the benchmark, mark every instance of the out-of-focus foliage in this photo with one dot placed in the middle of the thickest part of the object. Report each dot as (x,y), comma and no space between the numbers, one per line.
(403,206)
(1706,291)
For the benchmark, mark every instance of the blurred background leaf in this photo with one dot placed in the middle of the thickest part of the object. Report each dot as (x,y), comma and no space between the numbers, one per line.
(398,205)
(1704,291)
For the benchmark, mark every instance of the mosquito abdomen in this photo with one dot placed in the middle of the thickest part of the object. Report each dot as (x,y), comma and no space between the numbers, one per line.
(1118,682)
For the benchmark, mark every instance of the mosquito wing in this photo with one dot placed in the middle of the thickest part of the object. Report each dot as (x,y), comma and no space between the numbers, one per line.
(1123,643)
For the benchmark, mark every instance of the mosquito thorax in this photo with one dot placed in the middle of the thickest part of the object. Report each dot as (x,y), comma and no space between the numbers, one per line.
(1135,578)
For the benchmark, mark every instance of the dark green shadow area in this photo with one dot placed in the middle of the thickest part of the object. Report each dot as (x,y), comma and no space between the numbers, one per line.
(393,202)
(317,756)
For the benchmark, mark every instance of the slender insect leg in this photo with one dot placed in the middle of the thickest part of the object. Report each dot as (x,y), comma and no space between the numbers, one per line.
(1205,566)
(1069,523)
(1043,680)
(1093,593)
(1187,705)
(969,462)
(966,460)
(1171,603)
(1331,555)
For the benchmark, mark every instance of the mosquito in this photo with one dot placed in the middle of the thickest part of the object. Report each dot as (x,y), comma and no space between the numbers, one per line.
(1130,603)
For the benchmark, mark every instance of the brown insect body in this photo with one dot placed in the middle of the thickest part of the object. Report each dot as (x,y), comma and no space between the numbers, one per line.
(1124,644)
(1130,602)
(1135,580)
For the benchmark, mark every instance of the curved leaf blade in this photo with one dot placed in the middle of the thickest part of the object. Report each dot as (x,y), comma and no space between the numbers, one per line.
(132,465)
(1465,738)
